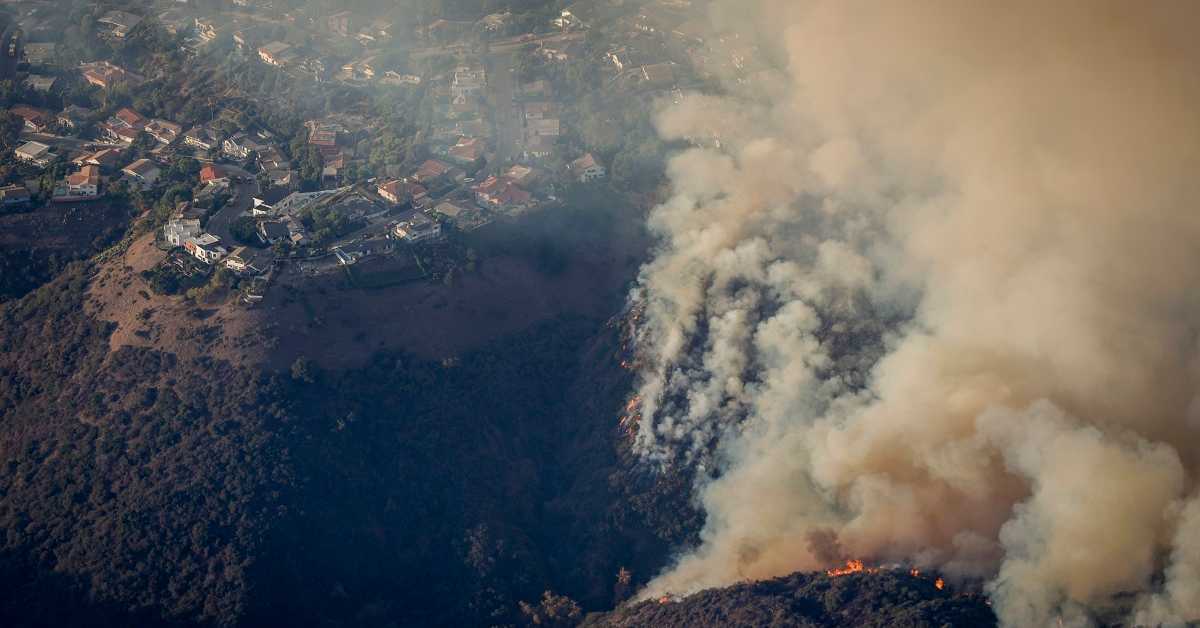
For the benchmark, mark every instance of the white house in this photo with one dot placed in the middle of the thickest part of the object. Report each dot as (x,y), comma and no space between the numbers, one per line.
(206,247)
(176,232)
(85,183)
(587,169)
(417,227)
(34,153)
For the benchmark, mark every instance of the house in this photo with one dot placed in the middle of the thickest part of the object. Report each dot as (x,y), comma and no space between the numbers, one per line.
(567,21)
(341,23)
(283,178)
(247,261)
(202,137)
(468,83)
(296,233)
(207,196)
(35,153)
(39,53)
(399,192)
(657,75)
(276,53)
(175,232)
(245,38)
(129,118)
(119,133)
(269,158)
(467,150)
(538,110)
(499,193)
(325,141)
(85,183)
(361,69)
(543,127)
(119,23)
(416,227)
(431,170)
(297,202)
(39,83)
(104,75)
(523,176)
(143,171)
(496,22)
(693,31)
(272,231)
(164,131)
(207,28)
(104,158)
(240,145)
(586,169)
(36,119)
(450,209)
(13,195)
(539,147)
(124,125)
(173,21)
(392,77)
(539,88)
(211,173)
(206,247)
(377,31)
(74,117)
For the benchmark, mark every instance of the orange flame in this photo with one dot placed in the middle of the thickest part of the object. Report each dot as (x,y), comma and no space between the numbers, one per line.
(666,599)
(852,566)
(629,420)
(940,584)
(914,572)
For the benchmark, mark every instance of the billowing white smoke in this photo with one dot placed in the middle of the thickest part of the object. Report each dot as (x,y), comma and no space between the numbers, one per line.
(1017,183)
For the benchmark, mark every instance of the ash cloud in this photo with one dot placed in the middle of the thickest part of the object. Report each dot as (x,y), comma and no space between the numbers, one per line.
(933,299)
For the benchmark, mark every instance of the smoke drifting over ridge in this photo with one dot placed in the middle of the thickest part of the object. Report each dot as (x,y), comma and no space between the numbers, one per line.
(934,298)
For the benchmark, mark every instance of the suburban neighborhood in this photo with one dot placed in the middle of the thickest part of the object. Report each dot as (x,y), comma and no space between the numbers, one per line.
(473,122)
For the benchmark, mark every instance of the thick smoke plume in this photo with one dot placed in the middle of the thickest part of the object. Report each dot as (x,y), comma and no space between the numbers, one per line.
(928,292)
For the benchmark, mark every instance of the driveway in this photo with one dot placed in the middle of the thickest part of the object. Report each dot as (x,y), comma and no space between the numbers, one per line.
(243,198)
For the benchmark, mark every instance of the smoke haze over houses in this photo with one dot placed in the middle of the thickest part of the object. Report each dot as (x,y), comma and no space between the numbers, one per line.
(932,298)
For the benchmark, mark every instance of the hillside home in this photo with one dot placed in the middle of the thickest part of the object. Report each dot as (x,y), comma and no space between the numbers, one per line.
(143,172)
(276,53)
(206,247)
(175,232)
(36,119)
(416,227)
(247,261)
(35,153)
(13,195)
(85,183)
(399,192)
(73,116)
(202,137)
(164,131)
(586,169)
(119,23)
(501,193)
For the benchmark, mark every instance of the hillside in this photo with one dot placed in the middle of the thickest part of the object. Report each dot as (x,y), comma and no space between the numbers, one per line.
(892,599)
(199,487)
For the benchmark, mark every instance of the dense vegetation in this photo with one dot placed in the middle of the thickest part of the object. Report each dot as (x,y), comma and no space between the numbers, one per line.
(139,488)
(890,599)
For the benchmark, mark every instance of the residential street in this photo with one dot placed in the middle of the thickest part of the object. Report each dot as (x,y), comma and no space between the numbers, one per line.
(506,116)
